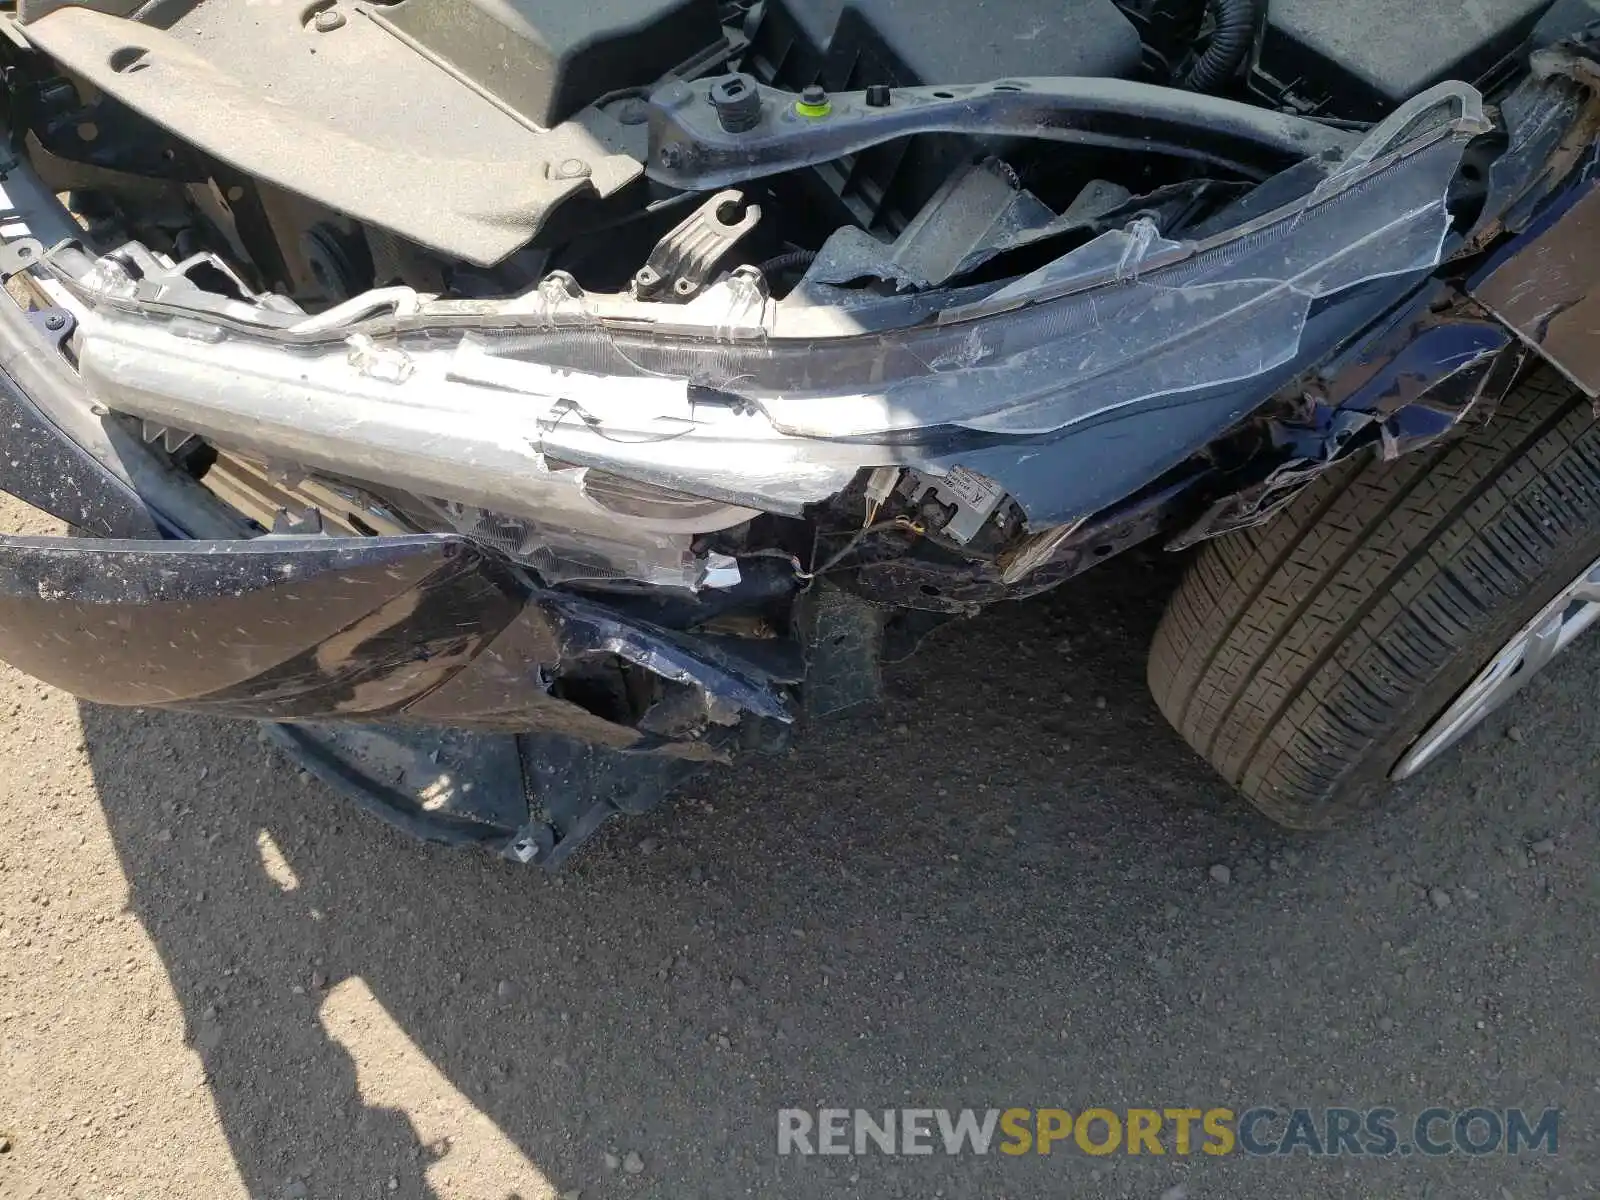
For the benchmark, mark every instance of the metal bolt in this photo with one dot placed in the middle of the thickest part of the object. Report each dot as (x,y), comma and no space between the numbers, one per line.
(327,20)
(54,322)
(813,94)
(573,168)
(878,96)
(633,112)
(671,156)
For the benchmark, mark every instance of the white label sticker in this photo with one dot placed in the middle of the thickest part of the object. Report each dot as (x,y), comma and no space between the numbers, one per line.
(974,490)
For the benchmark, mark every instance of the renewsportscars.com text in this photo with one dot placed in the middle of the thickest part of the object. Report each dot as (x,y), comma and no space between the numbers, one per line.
(1255,1132)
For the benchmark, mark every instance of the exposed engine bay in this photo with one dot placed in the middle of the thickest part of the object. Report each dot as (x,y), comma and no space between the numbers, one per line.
(645,160)
(688,349)
(472,146)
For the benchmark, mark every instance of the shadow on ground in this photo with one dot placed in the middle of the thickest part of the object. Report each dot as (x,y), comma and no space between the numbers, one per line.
(995,893)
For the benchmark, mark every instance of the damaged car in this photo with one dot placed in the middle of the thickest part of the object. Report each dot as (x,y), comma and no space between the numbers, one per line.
(518,406)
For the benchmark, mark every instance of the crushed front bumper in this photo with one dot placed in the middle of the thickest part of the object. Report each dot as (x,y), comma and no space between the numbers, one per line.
(395,633)
(426,677)
(444,687)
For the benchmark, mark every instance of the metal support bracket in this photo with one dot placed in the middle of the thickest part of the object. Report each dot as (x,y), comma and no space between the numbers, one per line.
(18,256)
(683,260)
(691,149)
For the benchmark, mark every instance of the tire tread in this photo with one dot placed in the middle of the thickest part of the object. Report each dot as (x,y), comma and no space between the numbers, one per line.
(1291,652)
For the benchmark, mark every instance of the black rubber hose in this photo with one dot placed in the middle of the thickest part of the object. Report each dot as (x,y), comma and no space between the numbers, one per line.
(1235,22)
(788,262)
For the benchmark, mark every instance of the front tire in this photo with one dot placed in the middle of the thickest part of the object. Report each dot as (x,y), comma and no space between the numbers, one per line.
(1304,658)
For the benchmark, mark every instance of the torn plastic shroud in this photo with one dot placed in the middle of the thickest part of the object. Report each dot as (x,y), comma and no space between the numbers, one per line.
(775,406)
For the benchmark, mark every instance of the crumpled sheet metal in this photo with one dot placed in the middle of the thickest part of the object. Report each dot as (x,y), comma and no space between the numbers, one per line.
(1543,285)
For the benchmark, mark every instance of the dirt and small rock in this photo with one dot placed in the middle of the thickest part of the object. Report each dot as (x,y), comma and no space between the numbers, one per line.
(218,980)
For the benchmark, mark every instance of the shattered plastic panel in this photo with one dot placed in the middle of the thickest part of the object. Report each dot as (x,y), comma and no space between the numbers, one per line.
(1210,318)
(1128,317)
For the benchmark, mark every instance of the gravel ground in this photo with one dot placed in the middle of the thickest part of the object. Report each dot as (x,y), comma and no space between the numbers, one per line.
(216,980)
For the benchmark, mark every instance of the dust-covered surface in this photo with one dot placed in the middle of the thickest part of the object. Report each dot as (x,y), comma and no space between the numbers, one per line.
(217,980)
